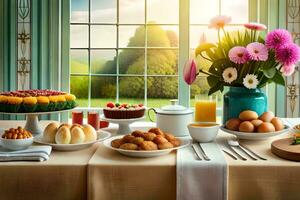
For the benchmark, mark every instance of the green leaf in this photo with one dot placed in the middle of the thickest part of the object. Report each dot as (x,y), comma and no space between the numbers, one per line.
(212,80)
(219,65)
(278,78)
(203,47)
(269,72)
(211,54)
(263,82)
(217,87)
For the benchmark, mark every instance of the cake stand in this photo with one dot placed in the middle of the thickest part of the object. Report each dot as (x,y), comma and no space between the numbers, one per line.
(32,120)
(124,127)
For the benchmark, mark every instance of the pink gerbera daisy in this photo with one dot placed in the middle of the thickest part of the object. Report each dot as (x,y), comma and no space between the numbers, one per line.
(288,54)
(278,38)
(190,71)
(255,26)
(257,51)
(288,70)
(219,22)
(238,55)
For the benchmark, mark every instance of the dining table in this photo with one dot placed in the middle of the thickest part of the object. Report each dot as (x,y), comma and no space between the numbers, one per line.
(102,173)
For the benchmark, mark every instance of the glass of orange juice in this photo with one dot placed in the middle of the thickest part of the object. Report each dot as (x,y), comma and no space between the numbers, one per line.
(205,108)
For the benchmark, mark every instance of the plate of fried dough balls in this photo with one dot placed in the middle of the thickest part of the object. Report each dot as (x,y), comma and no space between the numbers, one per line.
(151,143)
(249,125)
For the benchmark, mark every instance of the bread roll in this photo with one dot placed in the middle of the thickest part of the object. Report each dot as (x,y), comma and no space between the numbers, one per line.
(77,135)
(63,135)
(65,124)
(50,132)
(90,133)
(75,125)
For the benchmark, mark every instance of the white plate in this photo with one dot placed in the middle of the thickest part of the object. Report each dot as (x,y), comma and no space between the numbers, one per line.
(255,136)
(130,120)
(145,154)
(101,135)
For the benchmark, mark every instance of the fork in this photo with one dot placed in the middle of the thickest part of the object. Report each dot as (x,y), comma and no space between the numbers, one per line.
(236,153)
(203,153)
(235,143)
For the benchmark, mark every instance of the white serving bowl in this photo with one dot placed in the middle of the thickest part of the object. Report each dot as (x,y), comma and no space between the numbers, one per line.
(203,133)
(16,144)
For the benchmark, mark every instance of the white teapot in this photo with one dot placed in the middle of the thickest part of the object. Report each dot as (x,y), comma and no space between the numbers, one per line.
(173,118)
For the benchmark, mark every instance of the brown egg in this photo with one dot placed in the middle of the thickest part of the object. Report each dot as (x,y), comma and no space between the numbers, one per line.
(267,116)
(248,115)
(246,126)
(256,123)
(266,127)
(277,123)
(233,124)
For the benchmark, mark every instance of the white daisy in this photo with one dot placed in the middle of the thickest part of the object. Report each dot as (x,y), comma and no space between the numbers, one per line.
(229,74)
(250,81)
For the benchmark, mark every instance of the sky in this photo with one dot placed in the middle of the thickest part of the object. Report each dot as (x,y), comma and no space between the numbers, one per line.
(160,11)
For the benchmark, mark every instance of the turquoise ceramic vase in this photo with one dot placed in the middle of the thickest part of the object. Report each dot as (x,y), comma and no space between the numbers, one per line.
(238,99)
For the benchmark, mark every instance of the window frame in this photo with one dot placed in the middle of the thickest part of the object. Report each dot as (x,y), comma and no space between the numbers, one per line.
(118,49)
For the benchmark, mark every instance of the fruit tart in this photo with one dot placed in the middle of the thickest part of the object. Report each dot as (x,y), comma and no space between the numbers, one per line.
(123,111)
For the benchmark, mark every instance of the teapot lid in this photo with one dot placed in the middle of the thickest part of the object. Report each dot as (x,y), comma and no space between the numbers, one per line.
(174,108)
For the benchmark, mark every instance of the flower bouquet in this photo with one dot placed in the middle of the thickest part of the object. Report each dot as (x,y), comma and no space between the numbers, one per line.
(244,58)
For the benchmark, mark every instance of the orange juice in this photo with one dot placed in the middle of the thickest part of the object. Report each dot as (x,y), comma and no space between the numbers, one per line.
(205,111)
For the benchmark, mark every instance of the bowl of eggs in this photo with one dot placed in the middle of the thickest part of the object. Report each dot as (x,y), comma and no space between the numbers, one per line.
(253,127)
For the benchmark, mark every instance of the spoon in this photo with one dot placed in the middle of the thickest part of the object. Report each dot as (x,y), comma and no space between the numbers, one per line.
(235,143)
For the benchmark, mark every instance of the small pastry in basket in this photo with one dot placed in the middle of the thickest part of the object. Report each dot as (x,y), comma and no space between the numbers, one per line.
(148,145)
(117,143)
(159,139)
(138,140)
(138,133)
(169,136)
(129,146)
(166,145)
(128,138)
(157,131)
(149,136)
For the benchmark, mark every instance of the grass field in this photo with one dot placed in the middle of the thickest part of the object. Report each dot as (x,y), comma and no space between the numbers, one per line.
(151,103)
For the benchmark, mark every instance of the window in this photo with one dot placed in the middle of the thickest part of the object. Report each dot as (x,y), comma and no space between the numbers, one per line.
(128,50)
(124,51)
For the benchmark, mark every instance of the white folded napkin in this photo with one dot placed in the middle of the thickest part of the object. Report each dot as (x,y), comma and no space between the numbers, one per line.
(201,179)
(33,153)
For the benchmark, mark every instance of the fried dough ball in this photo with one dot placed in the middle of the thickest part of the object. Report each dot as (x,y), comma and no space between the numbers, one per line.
(128,138)
(148,145)
(157,131)
(137,140)
(175,142)
(149,136)
(116,143)
(169,136)
(137,133)
(129,146)
(160,139)
(166,145)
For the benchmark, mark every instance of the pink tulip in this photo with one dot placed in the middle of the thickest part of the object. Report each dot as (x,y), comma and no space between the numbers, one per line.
(288,70)
(190,71)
